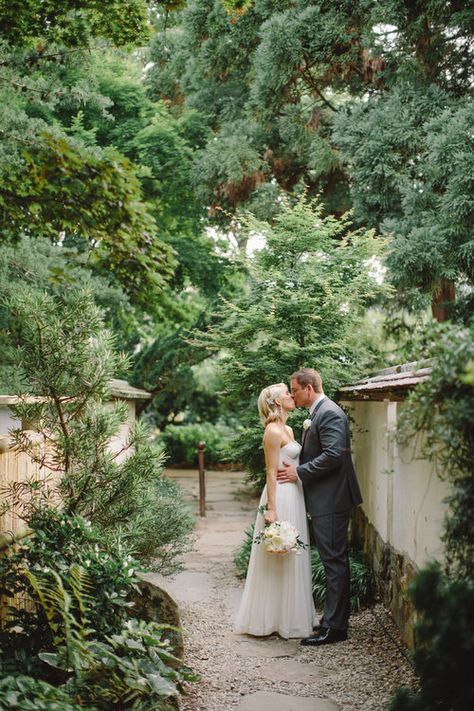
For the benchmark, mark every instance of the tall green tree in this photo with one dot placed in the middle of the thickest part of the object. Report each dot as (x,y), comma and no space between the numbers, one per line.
(102,121)
(410,154)
(61,185)
(361,101)
(73,22)
(257,76)
(304,305)
(54,269)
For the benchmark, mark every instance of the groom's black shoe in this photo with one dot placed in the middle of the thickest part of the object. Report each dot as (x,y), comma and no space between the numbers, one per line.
(319,626)
(324,636)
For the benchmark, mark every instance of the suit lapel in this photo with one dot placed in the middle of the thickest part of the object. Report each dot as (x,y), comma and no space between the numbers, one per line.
(313,415)
(317,407)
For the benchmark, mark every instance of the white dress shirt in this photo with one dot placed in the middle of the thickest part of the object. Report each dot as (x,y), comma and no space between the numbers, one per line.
(320,397)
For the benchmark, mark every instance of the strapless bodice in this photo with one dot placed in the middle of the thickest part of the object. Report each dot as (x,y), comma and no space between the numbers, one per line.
(290,453)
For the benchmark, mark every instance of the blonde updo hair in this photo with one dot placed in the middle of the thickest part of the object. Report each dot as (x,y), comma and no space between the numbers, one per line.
(268,409)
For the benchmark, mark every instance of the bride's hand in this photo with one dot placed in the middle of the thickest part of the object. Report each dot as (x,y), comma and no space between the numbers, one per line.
(269,516)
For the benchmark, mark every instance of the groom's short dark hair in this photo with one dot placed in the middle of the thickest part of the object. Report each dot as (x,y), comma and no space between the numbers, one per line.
(309,376)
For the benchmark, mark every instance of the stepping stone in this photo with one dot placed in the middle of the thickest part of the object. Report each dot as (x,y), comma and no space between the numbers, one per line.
(218,540)
(292,671)
(271,648)
(231,601)
(271,701)
(188,586)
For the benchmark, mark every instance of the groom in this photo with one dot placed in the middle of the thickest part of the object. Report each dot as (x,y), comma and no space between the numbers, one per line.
(331,491)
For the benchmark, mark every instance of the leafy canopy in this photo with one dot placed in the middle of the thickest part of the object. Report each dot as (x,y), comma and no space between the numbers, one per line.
(304,304)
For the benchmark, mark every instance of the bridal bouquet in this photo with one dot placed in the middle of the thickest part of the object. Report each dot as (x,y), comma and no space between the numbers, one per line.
(280,537)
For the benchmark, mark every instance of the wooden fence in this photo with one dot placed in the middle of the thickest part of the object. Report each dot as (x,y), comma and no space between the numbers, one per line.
(16,469)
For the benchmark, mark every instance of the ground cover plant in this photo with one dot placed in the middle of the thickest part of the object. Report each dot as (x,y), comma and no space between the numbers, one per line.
(78,643)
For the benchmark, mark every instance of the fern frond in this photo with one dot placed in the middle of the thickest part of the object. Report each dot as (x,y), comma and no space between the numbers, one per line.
(80,583)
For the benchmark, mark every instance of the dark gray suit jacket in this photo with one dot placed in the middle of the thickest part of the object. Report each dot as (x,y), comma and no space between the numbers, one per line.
(326,467)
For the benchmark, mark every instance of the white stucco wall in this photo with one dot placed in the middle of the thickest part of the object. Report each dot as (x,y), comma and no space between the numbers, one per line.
(403,494)
(119,442)
(7,420)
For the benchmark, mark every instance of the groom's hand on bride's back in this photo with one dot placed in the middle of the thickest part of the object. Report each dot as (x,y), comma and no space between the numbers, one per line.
(287,474)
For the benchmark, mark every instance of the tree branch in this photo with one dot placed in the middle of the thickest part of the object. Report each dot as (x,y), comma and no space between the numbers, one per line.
(306,74)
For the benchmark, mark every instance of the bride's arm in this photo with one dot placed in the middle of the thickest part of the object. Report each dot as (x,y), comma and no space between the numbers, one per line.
(271,447)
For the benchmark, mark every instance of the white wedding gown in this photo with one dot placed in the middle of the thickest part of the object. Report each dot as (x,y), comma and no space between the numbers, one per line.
(277,595)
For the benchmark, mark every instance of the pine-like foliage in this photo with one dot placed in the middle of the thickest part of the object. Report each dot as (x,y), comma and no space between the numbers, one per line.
(303,305)
(365,102)
(411,158)
(66,359)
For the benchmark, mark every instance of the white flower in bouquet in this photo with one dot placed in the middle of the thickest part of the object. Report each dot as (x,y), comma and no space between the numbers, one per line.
(280,537)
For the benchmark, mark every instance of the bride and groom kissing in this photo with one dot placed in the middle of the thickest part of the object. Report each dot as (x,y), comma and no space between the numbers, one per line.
(315,480)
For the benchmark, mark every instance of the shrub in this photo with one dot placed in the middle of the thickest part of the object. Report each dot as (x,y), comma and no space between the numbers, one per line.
(58,541)
(23,693)
(159,528)
(362,583)
(242,555)
(133,669)
(120,495)
(444,655)
(180,442)
(78,636)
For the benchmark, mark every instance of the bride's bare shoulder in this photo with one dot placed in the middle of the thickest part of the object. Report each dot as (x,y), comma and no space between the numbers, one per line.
(272,432)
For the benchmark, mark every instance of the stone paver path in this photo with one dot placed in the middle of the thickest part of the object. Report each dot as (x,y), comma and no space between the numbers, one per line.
(262,674)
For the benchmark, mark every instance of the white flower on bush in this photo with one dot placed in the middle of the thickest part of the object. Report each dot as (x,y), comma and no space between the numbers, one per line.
(280,537)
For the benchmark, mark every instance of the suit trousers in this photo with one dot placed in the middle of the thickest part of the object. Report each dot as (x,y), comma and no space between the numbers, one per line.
(331,539)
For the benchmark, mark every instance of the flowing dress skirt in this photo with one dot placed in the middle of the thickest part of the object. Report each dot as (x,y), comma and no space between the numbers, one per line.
(277,595)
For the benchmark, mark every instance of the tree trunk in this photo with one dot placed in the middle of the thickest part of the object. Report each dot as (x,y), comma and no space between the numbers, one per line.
(443,300)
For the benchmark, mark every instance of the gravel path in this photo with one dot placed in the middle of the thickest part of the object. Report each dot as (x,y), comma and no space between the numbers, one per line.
(235,670)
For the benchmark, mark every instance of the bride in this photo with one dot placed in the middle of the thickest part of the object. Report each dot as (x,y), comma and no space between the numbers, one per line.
(277,594)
